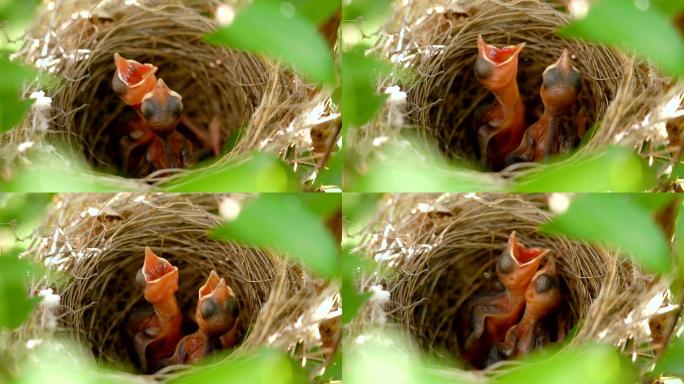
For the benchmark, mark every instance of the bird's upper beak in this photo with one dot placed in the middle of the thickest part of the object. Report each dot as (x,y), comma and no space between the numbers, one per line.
(161,93)
(499,57)
(131,72)
(564,63)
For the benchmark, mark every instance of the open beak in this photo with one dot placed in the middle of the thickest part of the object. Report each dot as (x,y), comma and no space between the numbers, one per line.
(499,57)
(215,288)
(131,72)
(155,267)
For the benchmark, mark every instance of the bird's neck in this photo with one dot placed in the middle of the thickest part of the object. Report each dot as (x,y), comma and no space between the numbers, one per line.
(166,309)
(508,97)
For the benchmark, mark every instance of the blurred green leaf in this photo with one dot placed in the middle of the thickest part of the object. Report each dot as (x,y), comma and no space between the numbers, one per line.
(12,107)
(64,362)
(616,169)
(317,11)
(366,9)
(283,222)
(352,300)
(323,205)
(332,174)
(360,74)
(672,360)
(333,372)
(383,357)
(410,167)
(653,202)
(647,31)
(53,174)
(21,207)
(14,11)
(679,239)
(588,364)
(260,173)
(15,303)
(267,27)
(670,7)
(619,221)
(267,366)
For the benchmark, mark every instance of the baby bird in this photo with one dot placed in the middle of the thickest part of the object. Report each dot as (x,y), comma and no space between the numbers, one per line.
(560,86)
(161,109)
(542,299)
(493,315)
(216,314)
(157,332)
(132,80)
(500,126)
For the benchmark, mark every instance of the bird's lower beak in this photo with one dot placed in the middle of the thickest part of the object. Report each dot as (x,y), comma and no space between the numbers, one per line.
(564,62)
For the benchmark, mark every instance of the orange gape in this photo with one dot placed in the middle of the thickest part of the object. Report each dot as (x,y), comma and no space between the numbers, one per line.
(493,315)
(560,86)
(542,299)
(157,333)
(132,80)
(500,126)
(217,317)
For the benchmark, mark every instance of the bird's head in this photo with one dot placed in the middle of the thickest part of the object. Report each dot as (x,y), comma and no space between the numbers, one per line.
(543,294)
(496,67)
(160,277)
(217,308)
(132,80)
(561,83)
(517,265)
(161,108)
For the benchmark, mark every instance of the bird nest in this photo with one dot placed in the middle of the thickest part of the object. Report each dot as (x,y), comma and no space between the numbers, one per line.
(260,105)
(625,100)
(93,246)
(440,250)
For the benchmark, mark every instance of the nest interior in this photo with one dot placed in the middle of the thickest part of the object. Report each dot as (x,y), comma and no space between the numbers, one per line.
(99,245)
(214,82)
(445,254)
(437,41)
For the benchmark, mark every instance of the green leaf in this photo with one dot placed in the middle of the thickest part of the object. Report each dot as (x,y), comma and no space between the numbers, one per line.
(620,222)
(588,364)
(653,202)
(360,74)
(669,7)
(679,239)
(323,205)
(353,266)
(267,366)
(616,169)
(648,31)
(59,175)
(672,360)
(332,174)
(268,28)
(12,108)
(260,173)
(366,9)
(317,11)
(284,223)
(15,304)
